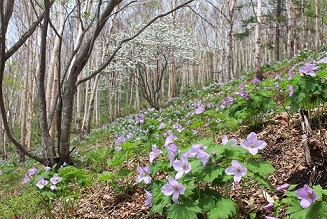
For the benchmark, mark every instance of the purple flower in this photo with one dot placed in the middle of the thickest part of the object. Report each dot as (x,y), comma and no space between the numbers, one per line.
(143,174)
(140,119)
(291,74)
(171,138)
(53,187)
(154,153)
(178,127)
(162,125)
(173,188)
(223,104)
(269,207)
(246,96)
(117,148)
(252,144)
(225,140)
(41,183)
(181,166)
(256,80)
(237,170)
(323,60)
(230,100)
(26,179)
(120,140)
(308,69)
(148,201)
(200,109)
(203,157)
(291,89)
(55,179)
(283,187)
(32,171)
(268,217)
(172,150)
(306,195)
(198,150)
(47,169)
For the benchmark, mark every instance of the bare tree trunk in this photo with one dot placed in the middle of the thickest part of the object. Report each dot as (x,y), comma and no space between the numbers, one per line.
(277,29)
(317,38)
(3,142)
(290,33)
(258,58)
(230,67)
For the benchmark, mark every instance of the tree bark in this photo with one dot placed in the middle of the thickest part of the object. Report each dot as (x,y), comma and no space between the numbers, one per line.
(258,57)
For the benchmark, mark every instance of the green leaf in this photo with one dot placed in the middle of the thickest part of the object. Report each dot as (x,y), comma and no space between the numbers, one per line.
(178,211)
(106,176)
(319,191)
(207,203)
(263,181)
(224,209)
(317,210)
(196,166)
(261,167)
(208,174)
(296,211)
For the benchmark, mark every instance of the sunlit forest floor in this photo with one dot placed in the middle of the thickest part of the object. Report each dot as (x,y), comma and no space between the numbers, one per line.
(283,136)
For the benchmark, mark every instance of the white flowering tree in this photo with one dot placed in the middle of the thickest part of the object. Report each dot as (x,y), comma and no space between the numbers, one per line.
(147,57)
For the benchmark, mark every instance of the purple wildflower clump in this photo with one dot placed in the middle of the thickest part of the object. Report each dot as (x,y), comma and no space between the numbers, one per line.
(173,188)
(223,104)
(181,166)
(154,153)
(308,69)
(41,183)
(252,144)
(306,195)
(144,174)
(140,119)
(237,170)
(200,109)
(178,127)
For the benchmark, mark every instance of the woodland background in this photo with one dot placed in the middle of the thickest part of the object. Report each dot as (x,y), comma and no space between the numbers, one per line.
(70,66)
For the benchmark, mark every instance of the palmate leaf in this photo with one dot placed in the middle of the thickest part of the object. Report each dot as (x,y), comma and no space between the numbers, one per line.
(178,211)
(263,168)
(208,174)
(223,209)
(316,210)
(263,181)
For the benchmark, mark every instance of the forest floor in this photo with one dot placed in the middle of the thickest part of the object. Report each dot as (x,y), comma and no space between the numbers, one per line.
(283,150)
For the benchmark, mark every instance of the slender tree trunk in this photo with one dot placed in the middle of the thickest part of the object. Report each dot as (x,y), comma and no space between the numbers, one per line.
(277,28)
(317,38)
(258,57)
(230,67)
